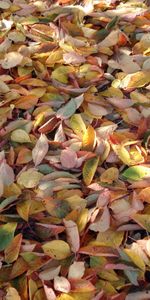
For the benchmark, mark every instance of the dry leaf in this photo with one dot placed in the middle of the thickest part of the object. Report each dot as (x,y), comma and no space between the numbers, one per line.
(12,59)
(40,150)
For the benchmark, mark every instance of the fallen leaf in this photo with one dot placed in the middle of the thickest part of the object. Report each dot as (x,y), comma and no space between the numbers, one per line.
(76,270)
(12,59)
(89,169)
(29,178)
(68,158)
(20,136)
(40,150)
(62,284)
(57,249)
(72,235)
(6,234)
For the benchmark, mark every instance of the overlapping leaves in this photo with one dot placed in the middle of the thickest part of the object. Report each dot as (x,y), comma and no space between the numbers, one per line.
(74,159)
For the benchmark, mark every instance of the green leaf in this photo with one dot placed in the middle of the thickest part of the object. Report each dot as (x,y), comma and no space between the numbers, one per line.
(101,34)
(112,23)
(6,234)
(136,173)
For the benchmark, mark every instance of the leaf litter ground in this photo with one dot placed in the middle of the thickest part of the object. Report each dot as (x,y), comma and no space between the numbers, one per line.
(74,160)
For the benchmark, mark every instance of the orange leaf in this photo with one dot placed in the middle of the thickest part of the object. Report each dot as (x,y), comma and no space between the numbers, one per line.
(26,102)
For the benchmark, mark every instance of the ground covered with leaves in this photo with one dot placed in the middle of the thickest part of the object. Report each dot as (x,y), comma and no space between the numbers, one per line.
(74,150)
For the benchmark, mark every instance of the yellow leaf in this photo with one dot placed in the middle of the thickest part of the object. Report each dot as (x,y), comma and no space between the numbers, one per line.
(38,92)
(11,190)
(112,92)
(135,257)
(110,238)
(57,249)
(81,296)
(142,220)
(76,202)
(23,208)
(107,287)
(110,175)
(123,154)
(64,297)
(89,169)
(88,139)
(12,294)
(29,178)
(77,124)
(82,219)
(136,80)
(61,74)
(20,136)
(34,82)
(145,195)
(12,250)
(54,57)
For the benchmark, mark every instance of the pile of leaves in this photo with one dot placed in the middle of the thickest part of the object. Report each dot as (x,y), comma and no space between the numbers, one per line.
(74,150)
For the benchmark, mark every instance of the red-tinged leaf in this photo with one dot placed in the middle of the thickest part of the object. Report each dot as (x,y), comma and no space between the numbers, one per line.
(49,125)
(72,235)
(120,103)
(102,223)
(82,285)
(98,251)
(121,296)
(73,58)
(40,150)
(68,158)
(24,156)
(6,173)
(50,295)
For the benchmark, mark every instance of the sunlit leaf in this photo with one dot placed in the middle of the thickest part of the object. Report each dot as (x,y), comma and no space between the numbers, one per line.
(88,139)
(12,59)
(57,249)
(62,284)
(137,173)
(136,80)
(12,294)
(77,124)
